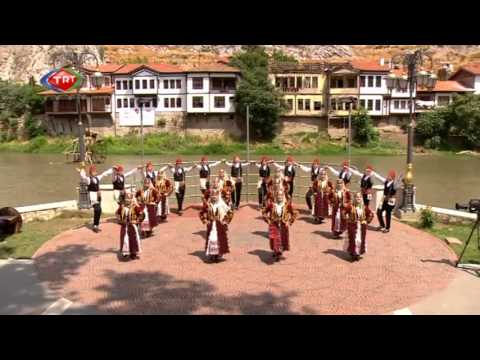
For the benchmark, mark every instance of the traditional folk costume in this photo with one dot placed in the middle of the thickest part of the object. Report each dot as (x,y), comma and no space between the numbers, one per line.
(264,176)
(339,199)
(288,173)
(118,182)
(345,174)
(321,190)
(205,171)
(216,215)
(358,217)
(130,217)
(93,183)
(388,202)
(274,184)
(179,173)
(366,183)
(228,189)
(165,188)
(279,216)
(236,173)
(148,198)
(314,171)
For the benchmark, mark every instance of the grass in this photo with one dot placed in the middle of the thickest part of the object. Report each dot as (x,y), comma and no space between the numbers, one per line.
(34,234)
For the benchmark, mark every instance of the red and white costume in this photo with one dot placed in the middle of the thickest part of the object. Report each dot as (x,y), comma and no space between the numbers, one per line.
(130,217)
(339,199)
(165,189)
(279,216)
(149,199)
(321,190)
(357,217)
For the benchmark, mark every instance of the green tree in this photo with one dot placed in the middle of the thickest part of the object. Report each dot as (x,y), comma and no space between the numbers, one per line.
(257,91)
(280,56)
(365,132)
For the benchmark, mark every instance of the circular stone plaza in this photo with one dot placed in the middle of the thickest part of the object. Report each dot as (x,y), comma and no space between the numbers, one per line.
(173,276)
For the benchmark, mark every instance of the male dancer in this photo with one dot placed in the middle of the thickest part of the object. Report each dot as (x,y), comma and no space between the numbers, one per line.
(205,171)
(236,173)
(93,183)
(388,203)
(366,183)
(264,175)
(289,173)
(314,171)
(179,173)
(118,181)
(148,198)
(130,215)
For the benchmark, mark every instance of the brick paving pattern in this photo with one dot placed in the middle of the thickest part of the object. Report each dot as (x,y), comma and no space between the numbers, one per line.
(172,277)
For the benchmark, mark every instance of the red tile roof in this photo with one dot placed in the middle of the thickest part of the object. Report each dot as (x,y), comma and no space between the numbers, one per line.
(214,67)
(447,86)
(105,68)
(101,91)
(165,68)
(474,68)
(369,65)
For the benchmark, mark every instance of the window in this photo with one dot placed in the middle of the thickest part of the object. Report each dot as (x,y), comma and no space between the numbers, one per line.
(339,83)
(370,104)
(308,80)
(443,100)
(403,104)
(362,81)
(317,105)
(351,83)
(219,101)
(118,85)
(290,104)
(179,101)
(125,103)
(354,105)
(333,103)
(130,84)
(165,84)
(106,80)
(377,105)
(362,104)
(370,81)
(396,104)
(378,81)
(300,104)
(307,104)
(137,84)
(152,83)
(172,102)
(179,84)
(197,101)
(315,82)
(299,82)
(291,82)
(165,103)
(125,84)
(119,103)
(154,102)
(197,83)
(132,102)
(147,104)
(144,84)
(107,101)
(172,84)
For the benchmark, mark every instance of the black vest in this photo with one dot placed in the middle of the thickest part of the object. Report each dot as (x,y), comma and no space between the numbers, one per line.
(179,175)
(236,172)
(346,178)
(151,176)
(204,173)
(263,173)
(290,174)
(389,190)
(94,185)
(366,183)
(119,183)
(314,175)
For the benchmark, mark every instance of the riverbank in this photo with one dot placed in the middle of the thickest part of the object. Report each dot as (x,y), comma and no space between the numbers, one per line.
(172,143)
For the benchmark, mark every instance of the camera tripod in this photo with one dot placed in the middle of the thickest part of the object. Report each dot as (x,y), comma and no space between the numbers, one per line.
(476,226)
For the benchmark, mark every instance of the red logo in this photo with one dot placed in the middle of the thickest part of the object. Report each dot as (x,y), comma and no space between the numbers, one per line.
(62,80)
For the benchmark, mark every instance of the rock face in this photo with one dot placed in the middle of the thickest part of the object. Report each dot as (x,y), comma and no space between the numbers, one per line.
(19,62)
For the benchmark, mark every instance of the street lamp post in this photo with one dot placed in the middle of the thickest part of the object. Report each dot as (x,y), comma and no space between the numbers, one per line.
(349,100)
(411,81)
(141,102)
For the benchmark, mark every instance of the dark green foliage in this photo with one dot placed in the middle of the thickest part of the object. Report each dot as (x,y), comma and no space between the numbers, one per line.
(365,132)
(33,127)
(427,219)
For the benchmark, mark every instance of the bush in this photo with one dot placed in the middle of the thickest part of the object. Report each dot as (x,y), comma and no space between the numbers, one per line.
(433,143)
(37,143)
(427,219)
(33,127)
(3,136)
(365,132)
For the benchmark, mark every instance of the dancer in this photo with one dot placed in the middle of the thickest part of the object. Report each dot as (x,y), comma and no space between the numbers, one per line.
(165,189)
(179,173)
(118,181)
(130,215)
(93,183)
(277,182)
(151,173)
(205,171)
(148,198)
(314,171)
(339,199)
(289,173)
(388,202)
(236,173)
(264,177)
(358,216)
(216,215)
(279,215)
(322,189)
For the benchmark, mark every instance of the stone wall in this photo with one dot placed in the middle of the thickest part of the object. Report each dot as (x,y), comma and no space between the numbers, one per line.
(290,125)
(213,125)
(45,211)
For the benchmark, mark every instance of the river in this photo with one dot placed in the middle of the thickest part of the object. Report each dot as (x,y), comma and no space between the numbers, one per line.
(28,179)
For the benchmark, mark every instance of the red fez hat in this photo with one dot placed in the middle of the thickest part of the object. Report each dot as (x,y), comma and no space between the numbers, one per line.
(370,167)
(178,161)
(204,158)
(289,158)
(316,161)
(392,174)
(119,168)
(264,158)
(345,163)
(92,168)
(149,163)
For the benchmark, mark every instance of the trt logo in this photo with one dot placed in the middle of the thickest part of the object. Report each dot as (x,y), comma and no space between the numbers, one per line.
(61,80)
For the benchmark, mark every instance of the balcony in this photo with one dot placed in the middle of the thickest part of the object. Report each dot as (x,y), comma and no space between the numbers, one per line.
(424,105)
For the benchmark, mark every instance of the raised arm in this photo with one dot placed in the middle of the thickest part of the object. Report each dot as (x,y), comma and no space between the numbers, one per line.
(163,169)
(84,176)
(281,167)
(105,173)
(355,172)
(379,177)
(188,168)
(228,163)
(335,172)
(215,163)
(246,163)
(131,172)
(305,168)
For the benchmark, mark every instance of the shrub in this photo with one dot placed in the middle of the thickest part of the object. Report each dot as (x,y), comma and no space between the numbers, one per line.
(365,132)
(33,127)
(433,143)
(427,219)
(37,143)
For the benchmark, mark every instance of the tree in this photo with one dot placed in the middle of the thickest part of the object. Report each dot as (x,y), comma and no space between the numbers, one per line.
(257,91)
(280,56)
(365,132)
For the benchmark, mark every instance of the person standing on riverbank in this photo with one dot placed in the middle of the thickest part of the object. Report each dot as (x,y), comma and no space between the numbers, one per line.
(264,175)
(205,171)
(288,173)
(358,216)
(179,177)
(93,182)
(388,202)
(314,171)
(339,199)
(130,215)
(236,173)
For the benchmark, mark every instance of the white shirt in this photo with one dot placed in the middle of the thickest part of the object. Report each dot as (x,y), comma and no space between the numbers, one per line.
(86,178)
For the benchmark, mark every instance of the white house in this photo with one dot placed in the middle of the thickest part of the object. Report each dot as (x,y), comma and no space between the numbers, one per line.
(468,76)
(441,95)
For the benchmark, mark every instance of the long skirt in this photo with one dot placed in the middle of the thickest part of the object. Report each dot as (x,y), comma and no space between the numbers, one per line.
(217,240)
(339,224)
(356,242)
(163,209)
(279,237)
(320,207)
(150,218)
(129,240)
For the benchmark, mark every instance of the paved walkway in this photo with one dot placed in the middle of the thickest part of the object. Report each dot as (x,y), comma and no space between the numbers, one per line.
(401,269)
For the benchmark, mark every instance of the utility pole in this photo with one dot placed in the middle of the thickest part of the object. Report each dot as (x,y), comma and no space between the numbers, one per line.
(349,132)
(141,131)
(248,146)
